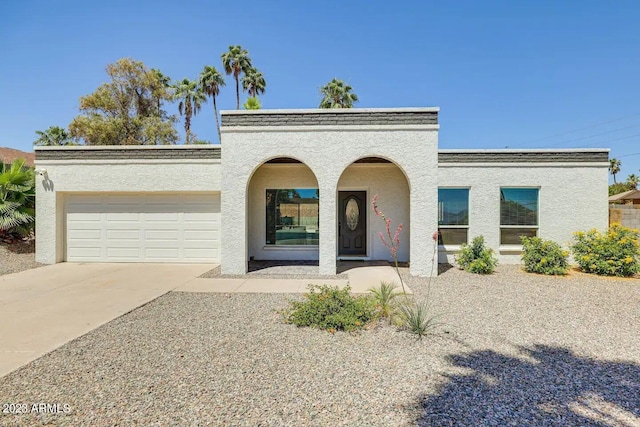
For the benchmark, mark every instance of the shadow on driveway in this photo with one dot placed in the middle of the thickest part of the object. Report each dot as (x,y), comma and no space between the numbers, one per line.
(549,386)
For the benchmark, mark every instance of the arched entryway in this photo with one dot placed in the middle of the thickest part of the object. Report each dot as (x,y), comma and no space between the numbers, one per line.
(283,212)
(358,226)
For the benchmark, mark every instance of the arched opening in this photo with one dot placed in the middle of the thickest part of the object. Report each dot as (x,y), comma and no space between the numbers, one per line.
(358,226)
(282,214)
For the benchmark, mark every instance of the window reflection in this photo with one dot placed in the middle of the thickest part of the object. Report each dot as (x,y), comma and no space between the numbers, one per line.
(292,216)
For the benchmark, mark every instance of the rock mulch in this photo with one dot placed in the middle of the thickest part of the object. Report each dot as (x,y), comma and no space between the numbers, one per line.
(17,256)
(515,349)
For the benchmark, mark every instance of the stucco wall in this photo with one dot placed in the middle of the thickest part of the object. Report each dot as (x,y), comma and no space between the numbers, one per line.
(572,197)
(328,151)
(389,183)
(108,176)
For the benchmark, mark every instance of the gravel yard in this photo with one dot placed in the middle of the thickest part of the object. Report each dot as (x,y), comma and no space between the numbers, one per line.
(516,349)
(17,257)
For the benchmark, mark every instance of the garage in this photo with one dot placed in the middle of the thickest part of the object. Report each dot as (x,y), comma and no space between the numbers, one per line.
(143,227)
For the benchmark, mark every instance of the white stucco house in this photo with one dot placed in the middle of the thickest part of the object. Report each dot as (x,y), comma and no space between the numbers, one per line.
(298,184)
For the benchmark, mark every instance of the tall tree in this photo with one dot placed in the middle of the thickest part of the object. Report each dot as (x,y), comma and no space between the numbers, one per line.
(127,109)
(633,180)
(614,168)
(54,135)
(235,61)
(337,94)
(252,103)
(161,87)
(210,82)
(191,98)
(253,82)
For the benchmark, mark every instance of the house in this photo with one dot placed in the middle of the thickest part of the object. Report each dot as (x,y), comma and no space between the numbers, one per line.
(298,184)
(631,197)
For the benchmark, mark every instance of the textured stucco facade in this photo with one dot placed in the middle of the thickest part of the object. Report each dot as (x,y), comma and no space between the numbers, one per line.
(390,152)
(68,172)
(328,150)
(568,191)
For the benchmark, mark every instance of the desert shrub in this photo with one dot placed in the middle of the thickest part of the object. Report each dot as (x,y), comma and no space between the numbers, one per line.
(544,256)
(611,253)
(416,317)
(331,308)
(476,258)
(384,297)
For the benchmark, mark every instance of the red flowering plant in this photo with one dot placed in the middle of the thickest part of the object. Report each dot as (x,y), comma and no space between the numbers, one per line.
(391,241)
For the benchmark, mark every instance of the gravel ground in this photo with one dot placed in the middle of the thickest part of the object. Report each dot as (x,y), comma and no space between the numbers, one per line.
(515,349)
(17,257)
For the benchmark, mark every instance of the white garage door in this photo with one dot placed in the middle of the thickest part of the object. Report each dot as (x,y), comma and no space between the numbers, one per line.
(143,228)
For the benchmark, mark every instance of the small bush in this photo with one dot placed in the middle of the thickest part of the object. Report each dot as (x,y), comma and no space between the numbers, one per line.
(476,258)
(332,309)
(612,253)
(544,256)
(384,298)
(416,317)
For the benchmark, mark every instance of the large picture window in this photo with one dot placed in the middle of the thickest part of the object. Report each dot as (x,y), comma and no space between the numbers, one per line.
(292,217)
(518,214)
(453,216)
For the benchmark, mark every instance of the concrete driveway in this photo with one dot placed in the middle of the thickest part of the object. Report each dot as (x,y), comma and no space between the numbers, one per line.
(44,308)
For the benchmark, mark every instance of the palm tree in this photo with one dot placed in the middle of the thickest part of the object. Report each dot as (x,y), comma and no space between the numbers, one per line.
(614,168)
(253,82)
(17,198)
(236,61)
(337,94)
(191,99)
(210,82)
(633,180)
(252,103)
(55,135)
(160,87)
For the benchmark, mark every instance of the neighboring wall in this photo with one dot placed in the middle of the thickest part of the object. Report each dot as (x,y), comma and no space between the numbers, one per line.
(626,215)
(573,190)
(105,169)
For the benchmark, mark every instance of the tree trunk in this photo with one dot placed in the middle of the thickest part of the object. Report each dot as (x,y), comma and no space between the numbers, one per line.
(215,111)
(237,93)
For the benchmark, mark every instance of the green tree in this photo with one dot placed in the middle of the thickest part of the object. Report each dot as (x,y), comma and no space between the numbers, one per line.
(253,82)
(54,135)
(127,109)
(614,168)
(337,94)
(632,180)
(210,82)
(17,198)
(252,103)
(619,187)
(191,98)
(236,61)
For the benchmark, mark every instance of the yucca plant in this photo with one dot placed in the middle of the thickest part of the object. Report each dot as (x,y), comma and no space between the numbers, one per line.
(416,317)
(17,198)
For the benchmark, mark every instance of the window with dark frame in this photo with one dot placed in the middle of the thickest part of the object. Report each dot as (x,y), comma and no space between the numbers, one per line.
(518,214)
(292,217)
(453,216)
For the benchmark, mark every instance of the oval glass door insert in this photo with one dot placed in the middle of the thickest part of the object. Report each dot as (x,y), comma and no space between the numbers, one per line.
(352,213)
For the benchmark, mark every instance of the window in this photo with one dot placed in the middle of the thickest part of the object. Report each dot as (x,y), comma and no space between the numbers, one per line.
(292,217)
(453,216)
(518,214)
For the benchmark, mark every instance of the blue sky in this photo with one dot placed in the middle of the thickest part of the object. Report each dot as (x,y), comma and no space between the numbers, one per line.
(522,74)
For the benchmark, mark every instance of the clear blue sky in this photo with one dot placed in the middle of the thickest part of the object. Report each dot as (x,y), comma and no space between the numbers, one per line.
(522,74)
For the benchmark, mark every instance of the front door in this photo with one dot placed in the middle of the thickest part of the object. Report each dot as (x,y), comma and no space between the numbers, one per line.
(352,223)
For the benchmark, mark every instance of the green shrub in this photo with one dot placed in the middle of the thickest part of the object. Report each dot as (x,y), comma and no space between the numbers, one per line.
(544,256)
(416,317)
(332,309)
(476,258)
(613,253)
(384,298)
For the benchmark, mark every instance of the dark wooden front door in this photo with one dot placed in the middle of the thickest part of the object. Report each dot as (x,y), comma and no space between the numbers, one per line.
(352,223)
